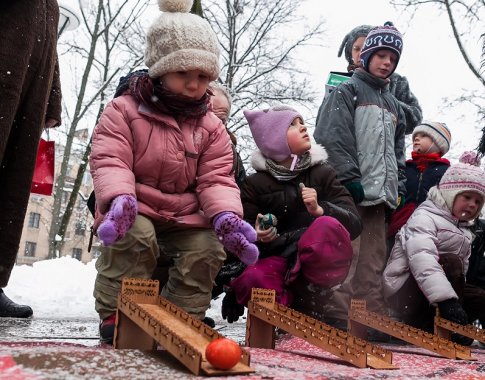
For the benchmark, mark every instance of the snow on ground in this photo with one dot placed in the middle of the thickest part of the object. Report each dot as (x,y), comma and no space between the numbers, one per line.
(62,288)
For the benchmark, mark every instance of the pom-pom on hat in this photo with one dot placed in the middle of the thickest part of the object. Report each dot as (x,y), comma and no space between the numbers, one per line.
(381,37)
(349,39)
(269,128)
(439,133)
(181,41)
(464,176)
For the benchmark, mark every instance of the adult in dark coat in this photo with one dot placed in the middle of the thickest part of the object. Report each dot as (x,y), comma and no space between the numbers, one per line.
(30,101)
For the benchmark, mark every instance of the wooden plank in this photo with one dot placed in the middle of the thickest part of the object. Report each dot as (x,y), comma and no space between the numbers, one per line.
(145,319)
(264,316)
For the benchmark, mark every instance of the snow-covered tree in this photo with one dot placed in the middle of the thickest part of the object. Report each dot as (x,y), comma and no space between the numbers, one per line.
(108,43)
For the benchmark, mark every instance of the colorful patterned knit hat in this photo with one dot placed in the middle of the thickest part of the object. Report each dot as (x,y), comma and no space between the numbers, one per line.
(381,37)
(439,133)
(464,176)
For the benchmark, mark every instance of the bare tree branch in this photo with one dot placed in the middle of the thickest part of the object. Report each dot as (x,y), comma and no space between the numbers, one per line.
(258,62)
(111,31)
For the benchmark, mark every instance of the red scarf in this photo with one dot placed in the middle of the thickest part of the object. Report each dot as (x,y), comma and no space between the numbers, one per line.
(422,160)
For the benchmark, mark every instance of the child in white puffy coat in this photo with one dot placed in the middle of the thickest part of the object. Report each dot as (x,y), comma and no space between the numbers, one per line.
(429,260)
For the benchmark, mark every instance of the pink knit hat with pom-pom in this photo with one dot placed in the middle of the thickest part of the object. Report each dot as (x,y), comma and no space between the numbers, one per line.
(464,176)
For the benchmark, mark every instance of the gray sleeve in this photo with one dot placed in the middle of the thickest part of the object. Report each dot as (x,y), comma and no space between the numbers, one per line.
(412,110)
(400,152)
(335,130)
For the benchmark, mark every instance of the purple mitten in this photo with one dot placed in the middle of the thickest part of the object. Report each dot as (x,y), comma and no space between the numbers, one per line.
(119,219)
(237,236)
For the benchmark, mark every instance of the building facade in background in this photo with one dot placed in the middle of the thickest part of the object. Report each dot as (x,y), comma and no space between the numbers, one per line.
(34,245)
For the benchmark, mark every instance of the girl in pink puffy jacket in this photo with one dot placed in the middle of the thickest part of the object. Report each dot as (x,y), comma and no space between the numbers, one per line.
(162,171)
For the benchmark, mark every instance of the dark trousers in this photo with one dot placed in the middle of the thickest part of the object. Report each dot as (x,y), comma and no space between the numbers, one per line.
(411,306)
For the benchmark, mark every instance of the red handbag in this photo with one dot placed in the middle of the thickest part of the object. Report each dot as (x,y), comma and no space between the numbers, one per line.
(43,180)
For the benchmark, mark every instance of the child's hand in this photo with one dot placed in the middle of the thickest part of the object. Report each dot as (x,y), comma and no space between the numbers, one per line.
(310,199)
(237,236)
(119,219)
(266,232)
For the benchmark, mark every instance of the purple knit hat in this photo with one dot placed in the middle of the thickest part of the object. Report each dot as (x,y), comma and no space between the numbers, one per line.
(381,37)
(269,128)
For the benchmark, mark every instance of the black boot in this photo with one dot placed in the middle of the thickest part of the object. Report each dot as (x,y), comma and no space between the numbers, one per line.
(209,322)
(10,309)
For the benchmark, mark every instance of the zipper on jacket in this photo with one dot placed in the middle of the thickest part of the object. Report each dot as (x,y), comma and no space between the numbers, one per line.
(385,140)
(420,180)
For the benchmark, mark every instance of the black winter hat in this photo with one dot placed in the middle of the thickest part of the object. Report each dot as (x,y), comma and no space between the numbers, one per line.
(349,39)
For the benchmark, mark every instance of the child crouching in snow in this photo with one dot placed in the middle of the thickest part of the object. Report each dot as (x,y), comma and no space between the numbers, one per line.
(162,171)
(314,216)
(429,260)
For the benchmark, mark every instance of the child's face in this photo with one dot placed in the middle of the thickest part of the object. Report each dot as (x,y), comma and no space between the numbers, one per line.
(467,205)
(298,138)
(220,106)
(422,143)
(192,83)
(382,63)
(356,49)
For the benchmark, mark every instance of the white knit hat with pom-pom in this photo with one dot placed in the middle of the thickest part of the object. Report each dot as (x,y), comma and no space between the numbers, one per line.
(181,41)
(464,176)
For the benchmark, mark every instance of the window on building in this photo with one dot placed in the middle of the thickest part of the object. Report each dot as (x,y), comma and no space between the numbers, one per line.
(30,249)
(96,253)
(65,197)
(81,203)
(34,219)
(77,253)
(80,229)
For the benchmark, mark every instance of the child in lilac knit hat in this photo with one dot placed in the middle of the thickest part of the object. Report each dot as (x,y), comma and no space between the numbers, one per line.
(304,218)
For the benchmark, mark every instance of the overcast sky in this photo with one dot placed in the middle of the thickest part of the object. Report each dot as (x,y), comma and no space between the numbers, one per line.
(430,60)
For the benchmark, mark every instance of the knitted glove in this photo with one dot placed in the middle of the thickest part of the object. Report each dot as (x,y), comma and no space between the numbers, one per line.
(230,309)
(355,189)
(452,310)
(237,236)
(119,219)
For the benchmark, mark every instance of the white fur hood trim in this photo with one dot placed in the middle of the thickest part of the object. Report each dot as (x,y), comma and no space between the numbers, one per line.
(317,152)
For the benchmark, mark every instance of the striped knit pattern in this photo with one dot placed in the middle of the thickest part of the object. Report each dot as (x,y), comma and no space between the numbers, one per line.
(438,132)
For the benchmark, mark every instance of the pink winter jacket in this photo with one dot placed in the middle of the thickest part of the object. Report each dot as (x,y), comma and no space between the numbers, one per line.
(178,170)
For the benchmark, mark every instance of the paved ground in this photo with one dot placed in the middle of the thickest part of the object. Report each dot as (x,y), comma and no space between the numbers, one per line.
(69,349)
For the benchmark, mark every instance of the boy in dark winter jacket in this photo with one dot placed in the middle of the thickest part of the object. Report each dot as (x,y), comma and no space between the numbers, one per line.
(431,141)
(312,216)
(399,86)
(362,125)
(476,269)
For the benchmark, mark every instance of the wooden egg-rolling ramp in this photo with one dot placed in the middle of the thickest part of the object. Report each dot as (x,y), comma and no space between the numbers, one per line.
(444,328)
(360,318)
(144,320)
(264,314)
